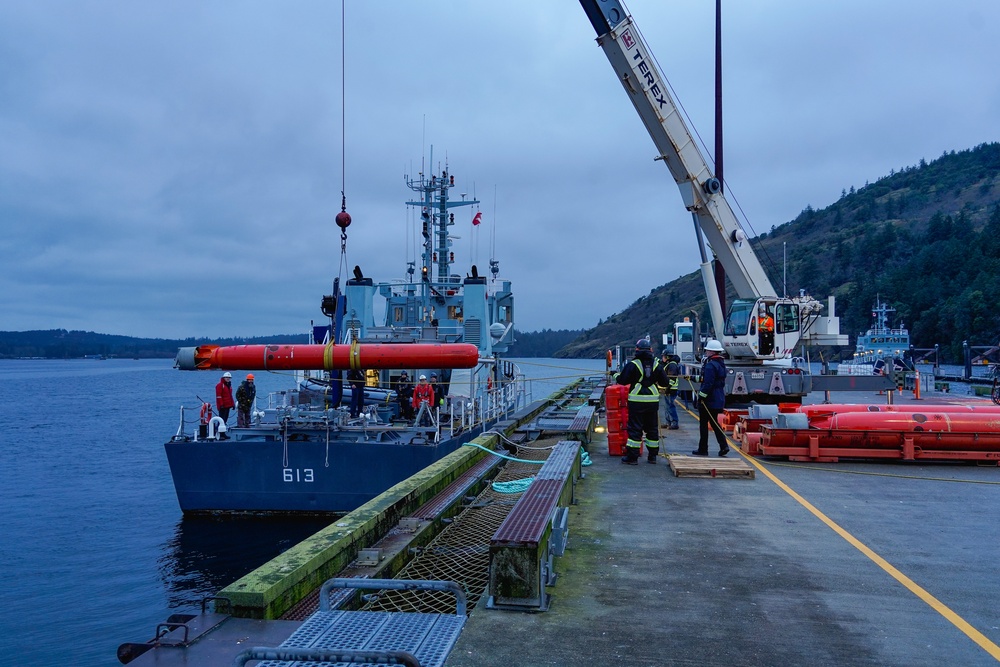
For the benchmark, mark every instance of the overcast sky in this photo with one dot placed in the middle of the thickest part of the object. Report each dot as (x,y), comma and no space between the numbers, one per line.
(172,169)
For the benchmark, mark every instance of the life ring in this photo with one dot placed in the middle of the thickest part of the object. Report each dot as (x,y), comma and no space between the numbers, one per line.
(609,359)
(206,413)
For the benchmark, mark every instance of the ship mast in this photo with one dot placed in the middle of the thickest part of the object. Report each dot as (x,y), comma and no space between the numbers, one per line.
(435,220)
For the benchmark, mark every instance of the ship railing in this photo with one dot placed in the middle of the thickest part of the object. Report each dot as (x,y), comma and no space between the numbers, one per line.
(182,427)
(495,404)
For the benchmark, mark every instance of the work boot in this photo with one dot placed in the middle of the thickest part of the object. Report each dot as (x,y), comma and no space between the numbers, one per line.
(698,452)
(630,461)
(652,453)
(631,456)
(674,426)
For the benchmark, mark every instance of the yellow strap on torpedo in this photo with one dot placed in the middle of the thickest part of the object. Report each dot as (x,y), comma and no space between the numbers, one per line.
(328,356)
(355,355)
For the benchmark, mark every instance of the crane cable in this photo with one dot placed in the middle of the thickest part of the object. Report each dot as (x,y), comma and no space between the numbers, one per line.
(343,219)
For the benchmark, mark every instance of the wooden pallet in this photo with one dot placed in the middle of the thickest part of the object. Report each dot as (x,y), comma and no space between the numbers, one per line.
(708,466)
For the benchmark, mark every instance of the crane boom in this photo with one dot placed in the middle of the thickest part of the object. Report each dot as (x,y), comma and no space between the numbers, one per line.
(699,188)
(799,318)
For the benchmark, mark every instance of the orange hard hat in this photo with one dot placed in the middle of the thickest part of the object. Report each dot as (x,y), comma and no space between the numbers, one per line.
(250,376)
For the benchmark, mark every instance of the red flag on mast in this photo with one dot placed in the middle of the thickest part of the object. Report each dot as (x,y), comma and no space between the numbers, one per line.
(478,218)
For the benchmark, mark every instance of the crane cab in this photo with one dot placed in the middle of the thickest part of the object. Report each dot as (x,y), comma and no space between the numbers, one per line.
(767,328)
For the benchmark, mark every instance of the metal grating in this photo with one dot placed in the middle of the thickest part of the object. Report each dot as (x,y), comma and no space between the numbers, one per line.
(582,420)
(429,637)
(461,552)
(561,461)
(527,524)
(451,492)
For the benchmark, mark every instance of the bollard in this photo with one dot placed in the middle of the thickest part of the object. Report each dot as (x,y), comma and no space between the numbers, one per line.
(916,385)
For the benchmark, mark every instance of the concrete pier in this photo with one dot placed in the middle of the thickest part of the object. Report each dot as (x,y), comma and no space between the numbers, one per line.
(851,563)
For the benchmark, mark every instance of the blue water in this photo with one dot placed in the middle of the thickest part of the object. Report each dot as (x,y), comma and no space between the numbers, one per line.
(94,550)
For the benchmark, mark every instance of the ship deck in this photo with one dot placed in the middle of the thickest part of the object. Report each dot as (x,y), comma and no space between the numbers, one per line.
(850,563)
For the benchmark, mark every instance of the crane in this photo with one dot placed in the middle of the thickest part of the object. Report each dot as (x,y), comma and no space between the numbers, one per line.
(793,320)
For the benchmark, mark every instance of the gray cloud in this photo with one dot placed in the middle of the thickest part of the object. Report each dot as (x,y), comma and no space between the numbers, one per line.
(174,169)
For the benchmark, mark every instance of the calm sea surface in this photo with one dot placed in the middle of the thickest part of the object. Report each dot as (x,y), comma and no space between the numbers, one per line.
(93,547)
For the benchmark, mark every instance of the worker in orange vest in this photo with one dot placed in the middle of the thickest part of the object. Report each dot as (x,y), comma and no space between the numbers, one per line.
(765,328)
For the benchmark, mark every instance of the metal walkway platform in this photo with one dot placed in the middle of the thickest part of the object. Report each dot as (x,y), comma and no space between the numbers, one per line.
(375,637)
(428,637)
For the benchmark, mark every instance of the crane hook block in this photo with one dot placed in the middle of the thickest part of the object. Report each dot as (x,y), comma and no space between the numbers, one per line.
(712,186)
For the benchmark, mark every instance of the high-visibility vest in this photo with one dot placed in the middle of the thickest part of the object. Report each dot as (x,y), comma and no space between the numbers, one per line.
(644,390)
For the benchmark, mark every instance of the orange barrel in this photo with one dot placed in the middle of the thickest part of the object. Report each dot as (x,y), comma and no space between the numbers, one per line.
(616,396)
(616,401)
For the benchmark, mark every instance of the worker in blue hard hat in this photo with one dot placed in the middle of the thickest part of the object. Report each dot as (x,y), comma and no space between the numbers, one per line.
(642,374)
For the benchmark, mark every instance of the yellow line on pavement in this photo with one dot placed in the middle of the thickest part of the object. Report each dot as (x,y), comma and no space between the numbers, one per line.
(932,601)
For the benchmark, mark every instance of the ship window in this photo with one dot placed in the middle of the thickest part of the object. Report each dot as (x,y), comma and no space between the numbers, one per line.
(685,334)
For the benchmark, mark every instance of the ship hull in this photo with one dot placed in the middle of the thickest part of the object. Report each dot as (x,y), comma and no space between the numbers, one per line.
(269,477)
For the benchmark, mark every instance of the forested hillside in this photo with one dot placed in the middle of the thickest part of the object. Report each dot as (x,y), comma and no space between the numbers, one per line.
(544,343)
(926,239)
(63,344)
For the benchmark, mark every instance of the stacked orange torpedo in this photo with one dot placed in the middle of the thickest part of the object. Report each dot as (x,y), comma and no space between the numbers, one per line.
(327,357)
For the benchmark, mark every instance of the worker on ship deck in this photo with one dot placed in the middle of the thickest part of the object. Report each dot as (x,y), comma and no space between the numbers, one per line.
(356,378)
(423,401)
(404,395)
(245,396)
(224,399)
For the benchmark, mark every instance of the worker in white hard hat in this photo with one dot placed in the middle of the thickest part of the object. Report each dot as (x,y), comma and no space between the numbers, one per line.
(224,398)
(712,399)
